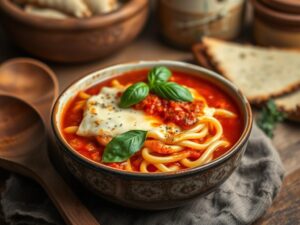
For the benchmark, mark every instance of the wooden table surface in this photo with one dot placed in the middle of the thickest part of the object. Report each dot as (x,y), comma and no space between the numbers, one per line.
(286,207)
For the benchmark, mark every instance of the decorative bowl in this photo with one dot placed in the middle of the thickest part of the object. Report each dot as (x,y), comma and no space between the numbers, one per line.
(154,190)
(71,39)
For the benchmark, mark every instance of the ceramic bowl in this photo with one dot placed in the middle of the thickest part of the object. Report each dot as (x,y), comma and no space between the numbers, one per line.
(158,190)
(74,40)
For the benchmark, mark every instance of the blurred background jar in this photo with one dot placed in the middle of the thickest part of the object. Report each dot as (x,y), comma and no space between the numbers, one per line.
(277,23)
(184,23)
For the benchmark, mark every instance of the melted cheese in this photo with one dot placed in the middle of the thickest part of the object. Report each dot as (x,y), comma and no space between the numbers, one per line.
(103,116)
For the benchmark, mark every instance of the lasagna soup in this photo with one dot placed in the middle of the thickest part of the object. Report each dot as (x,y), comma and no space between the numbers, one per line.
(152,121)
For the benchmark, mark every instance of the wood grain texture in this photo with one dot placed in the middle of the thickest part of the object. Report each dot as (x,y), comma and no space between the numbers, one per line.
(287,141)
(70,207)
(23,149)
(19,75)
(286,207)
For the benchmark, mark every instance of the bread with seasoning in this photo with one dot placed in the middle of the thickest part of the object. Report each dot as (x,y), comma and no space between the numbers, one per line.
(260,73)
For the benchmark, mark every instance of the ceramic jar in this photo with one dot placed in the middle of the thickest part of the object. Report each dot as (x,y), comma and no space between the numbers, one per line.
(277,23)
(184,23)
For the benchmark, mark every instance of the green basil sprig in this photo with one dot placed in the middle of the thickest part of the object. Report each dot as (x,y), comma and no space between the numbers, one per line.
(173,91)
(134,94)
(158,74)
(158,83)
(269,118)
(123,146)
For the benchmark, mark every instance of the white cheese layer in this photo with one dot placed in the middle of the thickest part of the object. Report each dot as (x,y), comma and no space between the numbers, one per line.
(103,116)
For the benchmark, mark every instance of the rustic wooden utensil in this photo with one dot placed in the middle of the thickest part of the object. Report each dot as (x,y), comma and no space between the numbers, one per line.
(32,81)
(35,83)
(23,149)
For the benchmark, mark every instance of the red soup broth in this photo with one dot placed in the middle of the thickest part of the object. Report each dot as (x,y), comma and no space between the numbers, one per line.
(89,147)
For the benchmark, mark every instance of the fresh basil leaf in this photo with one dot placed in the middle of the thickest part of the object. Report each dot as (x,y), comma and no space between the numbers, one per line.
(158,74)
(269,118)
(173,91)
(134,94)
(123,146)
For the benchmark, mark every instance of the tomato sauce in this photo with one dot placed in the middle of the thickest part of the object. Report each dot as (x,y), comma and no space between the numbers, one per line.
(183,114)
(185,117)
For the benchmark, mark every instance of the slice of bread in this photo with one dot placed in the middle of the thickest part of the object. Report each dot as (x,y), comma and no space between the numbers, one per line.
(290,104)
(44,12)
(260,73)
(73,7)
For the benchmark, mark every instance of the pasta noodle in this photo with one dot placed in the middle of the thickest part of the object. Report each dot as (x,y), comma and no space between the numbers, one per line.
(150,158)
(79,106)
(170,148)
(186,140)
(128,165)
(207,155)
(84,95)
(71,129)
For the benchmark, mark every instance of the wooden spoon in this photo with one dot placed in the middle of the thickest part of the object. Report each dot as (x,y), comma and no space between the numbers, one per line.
(32,81)
(23,149)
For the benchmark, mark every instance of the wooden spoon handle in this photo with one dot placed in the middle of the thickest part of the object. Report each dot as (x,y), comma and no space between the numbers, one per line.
(70,207)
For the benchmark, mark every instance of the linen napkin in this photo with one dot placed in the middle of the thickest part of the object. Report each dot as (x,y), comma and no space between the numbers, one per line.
(242,199)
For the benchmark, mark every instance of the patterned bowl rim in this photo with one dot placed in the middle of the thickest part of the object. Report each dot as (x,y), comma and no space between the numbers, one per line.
(245,107)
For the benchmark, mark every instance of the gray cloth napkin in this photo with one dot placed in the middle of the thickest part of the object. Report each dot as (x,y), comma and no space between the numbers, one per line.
(242,199)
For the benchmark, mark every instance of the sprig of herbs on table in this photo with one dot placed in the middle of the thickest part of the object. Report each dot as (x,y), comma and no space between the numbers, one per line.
(269,118)
(123,146)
